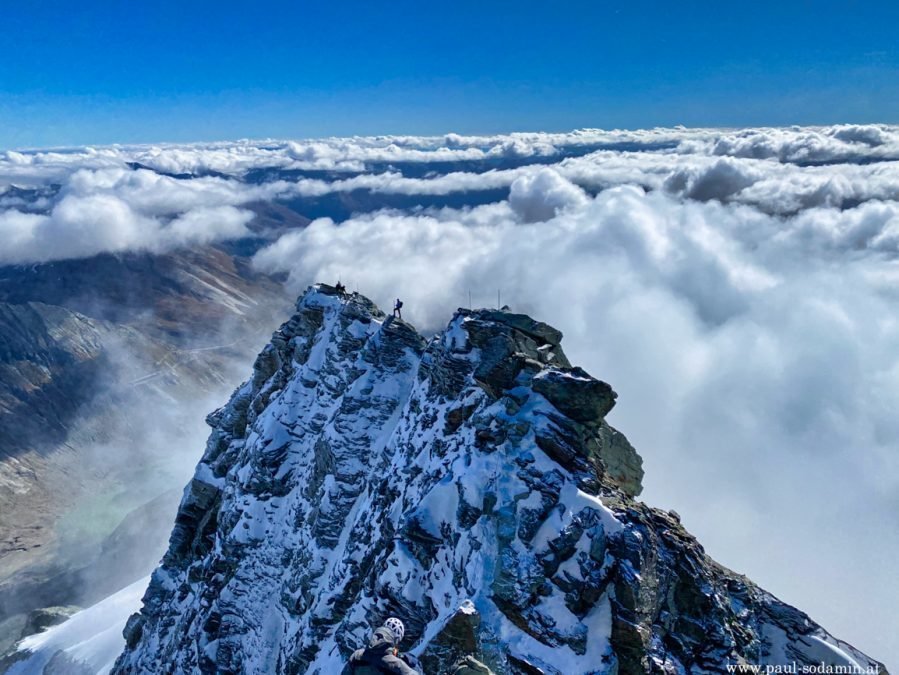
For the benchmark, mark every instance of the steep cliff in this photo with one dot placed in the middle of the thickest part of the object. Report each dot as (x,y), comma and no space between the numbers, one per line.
(469,484)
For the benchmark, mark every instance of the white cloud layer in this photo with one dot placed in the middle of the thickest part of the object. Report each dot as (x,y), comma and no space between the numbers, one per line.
(83,226)
(128,196)
(120,210)
(737,287)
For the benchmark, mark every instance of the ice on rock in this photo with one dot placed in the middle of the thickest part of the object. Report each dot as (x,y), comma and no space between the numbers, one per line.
(468,484)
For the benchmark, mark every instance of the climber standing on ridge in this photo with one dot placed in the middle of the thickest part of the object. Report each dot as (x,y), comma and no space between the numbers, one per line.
(341,289)
(382,656)
(398,308)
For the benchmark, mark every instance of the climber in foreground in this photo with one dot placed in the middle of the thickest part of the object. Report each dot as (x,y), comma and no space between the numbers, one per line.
(382,654)
(398,308)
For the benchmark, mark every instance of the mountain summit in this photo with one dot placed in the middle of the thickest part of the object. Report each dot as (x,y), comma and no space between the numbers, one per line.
(467,483)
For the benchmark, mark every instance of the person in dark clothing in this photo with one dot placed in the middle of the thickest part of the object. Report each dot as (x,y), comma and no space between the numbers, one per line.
(381,656)
(398,308)
(341,289)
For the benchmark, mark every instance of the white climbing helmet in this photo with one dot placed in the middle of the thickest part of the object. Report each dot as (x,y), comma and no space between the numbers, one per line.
(396,627)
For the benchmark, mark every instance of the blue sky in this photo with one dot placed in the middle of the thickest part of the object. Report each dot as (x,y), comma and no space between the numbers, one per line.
(104,72)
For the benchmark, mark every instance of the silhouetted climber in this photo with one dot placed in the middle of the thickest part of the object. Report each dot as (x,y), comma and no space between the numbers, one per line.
(340,288)
(398,308)
(382,655)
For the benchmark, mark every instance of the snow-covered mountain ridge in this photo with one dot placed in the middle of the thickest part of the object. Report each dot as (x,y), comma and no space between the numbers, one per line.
(469,484)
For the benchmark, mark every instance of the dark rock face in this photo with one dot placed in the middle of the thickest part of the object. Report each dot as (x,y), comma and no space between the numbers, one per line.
(45,353)
(457,640)
(41,619)
(176,295)
(576,395)
(469,484)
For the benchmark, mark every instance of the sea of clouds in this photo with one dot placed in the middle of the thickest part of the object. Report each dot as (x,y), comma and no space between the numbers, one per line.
(738,288)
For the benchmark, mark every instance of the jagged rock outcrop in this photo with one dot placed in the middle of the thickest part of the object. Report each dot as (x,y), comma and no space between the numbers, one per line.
(469,484)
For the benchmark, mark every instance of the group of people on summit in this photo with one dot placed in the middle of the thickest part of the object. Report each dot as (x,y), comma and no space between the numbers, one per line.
(397,306)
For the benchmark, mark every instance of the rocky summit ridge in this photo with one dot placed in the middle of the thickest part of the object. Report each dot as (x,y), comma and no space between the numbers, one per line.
(467,483)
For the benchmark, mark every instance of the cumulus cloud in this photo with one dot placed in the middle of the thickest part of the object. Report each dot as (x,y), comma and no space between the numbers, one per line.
(117,210)
(777,170)
(80,227)
(841,143)
(768,184)
(543,195)
(869,134)
(156,194)
(721,180)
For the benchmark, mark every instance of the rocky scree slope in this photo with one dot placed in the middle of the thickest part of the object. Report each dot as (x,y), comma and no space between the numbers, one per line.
(469,484)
